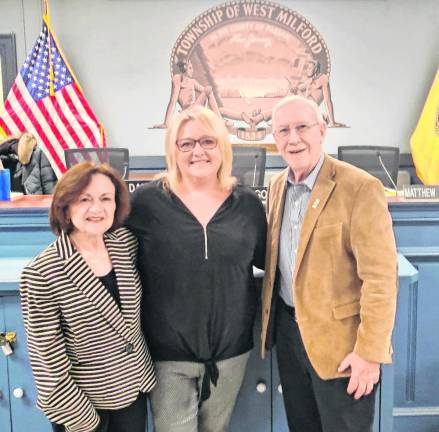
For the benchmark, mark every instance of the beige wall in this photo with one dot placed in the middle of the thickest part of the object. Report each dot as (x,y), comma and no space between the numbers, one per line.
(384,54)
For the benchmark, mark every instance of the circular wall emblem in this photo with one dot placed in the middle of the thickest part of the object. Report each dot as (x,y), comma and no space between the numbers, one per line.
(240,58)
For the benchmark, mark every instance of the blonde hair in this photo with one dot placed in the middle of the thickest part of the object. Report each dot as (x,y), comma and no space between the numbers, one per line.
(26,145)
(216,127)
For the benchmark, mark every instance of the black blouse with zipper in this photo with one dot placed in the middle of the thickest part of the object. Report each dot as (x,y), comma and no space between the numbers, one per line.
(199,299)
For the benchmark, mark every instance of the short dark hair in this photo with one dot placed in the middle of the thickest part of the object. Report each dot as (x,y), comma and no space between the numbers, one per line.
(73,183)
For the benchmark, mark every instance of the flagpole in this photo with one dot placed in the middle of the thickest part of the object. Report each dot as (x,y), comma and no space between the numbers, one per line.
(46,18)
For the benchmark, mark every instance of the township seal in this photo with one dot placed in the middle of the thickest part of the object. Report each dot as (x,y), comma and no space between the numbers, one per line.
(240,58)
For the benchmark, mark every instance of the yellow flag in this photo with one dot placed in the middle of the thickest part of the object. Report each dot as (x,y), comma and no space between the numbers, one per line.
(425,139)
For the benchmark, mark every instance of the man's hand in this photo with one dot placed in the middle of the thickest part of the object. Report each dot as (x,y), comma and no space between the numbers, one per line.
(364,374)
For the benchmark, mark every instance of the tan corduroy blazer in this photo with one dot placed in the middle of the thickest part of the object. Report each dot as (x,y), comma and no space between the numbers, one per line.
(345,276)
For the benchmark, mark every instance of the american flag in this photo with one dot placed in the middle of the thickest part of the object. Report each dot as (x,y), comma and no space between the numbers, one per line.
(47,101)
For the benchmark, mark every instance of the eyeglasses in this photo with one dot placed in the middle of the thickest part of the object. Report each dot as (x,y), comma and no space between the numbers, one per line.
(188,144)
(301,130)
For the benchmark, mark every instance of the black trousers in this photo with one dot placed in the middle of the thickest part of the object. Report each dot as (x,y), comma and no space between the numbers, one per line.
(129,419)
(313,404)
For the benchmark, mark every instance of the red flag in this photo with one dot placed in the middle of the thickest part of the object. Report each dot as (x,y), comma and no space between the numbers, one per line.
(47,101)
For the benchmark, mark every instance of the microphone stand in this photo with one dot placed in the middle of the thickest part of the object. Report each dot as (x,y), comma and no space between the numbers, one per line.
(254,170)
(385,170)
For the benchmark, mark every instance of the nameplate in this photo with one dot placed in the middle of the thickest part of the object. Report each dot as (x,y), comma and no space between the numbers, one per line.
(261,192)
(134,184)
(421,192)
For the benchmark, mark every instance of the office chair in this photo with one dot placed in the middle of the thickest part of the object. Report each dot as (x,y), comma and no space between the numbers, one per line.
(368,159)
(117,158)
(249,165)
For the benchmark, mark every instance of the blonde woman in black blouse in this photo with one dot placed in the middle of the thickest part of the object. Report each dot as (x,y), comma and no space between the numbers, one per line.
(199,236)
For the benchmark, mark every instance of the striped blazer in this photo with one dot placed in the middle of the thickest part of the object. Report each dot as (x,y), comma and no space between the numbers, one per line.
(85,353)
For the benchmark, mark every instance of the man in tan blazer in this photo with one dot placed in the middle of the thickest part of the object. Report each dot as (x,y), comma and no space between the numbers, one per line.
(330,286)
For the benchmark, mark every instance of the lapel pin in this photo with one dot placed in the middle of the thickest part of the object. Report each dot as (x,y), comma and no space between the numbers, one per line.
(315,203)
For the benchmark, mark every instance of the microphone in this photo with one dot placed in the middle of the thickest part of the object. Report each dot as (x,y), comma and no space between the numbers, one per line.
(385,170)
(254,170)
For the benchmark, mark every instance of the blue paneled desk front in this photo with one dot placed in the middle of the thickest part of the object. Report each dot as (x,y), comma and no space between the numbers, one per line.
(24,231)
(416,336)
(408,399)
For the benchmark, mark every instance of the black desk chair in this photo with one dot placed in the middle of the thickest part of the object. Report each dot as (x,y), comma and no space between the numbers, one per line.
(249,165)
(117,158)
(368,159)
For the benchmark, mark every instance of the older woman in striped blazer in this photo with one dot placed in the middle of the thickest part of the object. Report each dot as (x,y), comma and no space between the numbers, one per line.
(81,309)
